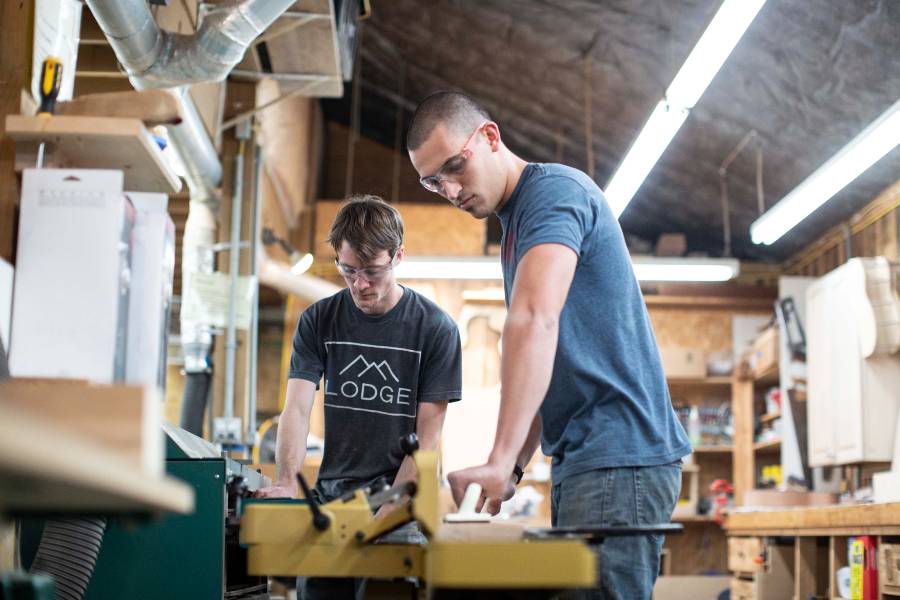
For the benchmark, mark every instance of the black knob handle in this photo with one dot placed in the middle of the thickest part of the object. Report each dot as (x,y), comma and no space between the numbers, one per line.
(409,443)
(319,519)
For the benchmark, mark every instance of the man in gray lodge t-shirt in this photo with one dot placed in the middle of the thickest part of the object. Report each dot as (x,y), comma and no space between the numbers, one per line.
(580,368)
(391,362)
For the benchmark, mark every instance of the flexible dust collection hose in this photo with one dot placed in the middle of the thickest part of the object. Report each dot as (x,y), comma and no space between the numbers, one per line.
(68,553)
(193,406)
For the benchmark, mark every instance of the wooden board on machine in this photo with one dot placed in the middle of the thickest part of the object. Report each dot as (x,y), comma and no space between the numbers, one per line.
(69,452)
(123,419)
(152,107)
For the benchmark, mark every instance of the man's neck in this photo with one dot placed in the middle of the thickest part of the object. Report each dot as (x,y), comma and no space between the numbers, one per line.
(392,299)
(514,167)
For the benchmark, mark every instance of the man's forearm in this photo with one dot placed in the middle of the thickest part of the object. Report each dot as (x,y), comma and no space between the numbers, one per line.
(529,348)
(427,441)
(290,449)
(531,443)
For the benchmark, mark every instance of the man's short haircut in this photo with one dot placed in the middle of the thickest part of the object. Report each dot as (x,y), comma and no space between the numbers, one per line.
(369,225)
(460,113)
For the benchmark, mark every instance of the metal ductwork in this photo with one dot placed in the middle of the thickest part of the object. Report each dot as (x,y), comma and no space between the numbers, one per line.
(156,58)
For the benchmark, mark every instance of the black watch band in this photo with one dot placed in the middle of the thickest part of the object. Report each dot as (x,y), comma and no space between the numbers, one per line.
(519,473)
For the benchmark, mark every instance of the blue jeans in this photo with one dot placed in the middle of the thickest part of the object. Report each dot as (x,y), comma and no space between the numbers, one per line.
(626,566)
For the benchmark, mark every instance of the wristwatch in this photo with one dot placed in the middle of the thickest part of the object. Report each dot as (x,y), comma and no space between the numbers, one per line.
(519,473)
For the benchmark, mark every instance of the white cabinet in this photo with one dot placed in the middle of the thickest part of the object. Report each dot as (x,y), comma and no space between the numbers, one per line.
(853,327)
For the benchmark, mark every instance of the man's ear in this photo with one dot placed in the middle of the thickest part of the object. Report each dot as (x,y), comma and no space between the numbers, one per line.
(399,255)
(492,131)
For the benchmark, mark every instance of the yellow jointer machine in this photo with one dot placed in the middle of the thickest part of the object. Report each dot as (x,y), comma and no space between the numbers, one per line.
(338,539)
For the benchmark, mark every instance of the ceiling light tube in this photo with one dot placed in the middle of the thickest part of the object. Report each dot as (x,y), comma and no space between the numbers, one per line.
(450,268)
(709,54)
(867,148)
(646,268)
(661,127)
(651,268)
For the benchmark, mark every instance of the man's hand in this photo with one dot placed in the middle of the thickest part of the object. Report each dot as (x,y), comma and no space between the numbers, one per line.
(277,491)
(497,485)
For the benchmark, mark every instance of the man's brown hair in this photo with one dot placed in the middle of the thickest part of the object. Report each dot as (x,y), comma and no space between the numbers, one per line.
(369,225)
(457,111)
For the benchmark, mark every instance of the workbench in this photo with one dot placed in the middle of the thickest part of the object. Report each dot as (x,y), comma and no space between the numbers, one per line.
(797,551)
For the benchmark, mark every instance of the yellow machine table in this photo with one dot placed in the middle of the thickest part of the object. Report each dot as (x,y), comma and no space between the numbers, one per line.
(339,539)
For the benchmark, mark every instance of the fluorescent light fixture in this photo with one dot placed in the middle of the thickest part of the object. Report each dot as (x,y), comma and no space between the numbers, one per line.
(867,148)
(661,127)
(651,268)
(450,268)
(646,268)
(709,54)
(301,263)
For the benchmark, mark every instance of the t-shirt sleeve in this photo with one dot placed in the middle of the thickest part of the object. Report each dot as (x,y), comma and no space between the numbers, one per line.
(441,377)
(307,361)
(560,213)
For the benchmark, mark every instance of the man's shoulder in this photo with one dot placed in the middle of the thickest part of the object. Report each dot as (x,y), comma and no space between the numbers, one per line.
(556,176)
(326,308)
(431,313)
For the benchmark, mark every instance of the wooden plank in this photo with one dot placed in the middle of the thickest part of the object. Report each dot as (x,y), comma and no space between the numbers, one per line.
(47,469)
(15,72)
(715,381)
(152,107)
(94,143)
(123,419)
(743,457)
(861,519)
(805,567)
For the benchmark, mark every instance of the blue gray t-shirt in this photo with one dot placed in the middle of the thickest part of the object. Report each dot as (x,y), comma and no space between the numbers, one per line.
(608,404)
(377,369)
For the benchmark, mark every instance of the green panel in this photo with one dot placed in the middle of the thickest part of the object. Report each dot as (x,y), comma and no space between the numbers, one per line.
(171,557)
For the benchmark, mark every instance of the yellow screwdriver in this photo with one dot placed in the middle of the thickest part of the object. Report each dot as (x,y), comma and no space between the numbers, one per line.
(51,80)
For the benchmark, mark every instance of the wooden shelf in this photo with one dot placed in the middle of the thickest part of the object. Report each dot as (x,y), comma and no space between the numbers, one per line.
(770,417)
(48,470)
(693,519)
(859,519)
(714,381)
(714,449)
(94,143)
(767,446)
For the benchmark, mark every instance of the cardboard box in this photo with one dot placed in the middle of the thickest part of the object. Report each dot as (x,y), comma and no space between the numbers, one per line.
(683,363)
(150,298)
(788,498)
(889,568)
(744,554)
(70,297)
(690,587)
(764,355)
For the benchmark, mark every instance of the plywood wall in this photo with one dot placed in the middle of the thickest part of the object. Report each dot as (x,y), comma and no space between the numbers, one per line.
(873,231)
(429,230)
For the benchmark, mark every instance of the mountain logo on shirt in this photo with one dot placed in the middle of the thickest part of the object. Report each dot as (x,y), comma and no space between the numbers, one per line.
(373,379)
(366,365)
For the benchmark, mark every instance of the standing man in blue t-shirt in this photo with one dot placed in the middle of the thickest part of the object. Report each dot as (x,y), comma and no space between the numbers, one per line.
(580,369)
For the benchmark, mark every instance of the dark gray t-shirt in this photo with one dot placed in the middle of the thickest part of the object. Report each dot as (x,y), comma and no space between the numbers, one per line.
(376,369)
(608,404)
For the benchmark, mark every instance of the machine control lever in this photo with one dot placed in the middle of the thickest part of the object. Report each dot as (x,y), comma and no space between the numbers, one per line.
(409,443)
(320,520)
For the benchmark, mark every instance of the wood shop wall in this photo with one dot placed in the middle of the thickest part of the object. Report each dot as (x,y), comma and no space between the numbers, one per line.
(169,174)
